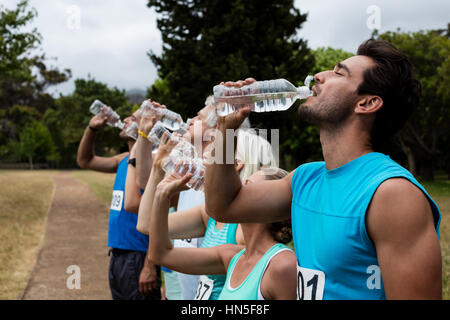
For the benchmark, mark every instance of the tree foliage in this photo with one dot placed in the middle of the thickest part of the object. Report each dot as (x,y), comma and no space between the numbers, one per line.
(425,138)
(24,76)
(36,143)
(69,119)
(209,41)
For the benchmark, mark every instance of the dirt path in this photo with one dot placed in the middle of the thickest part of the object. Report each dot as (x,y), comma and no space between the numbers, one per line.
(76,235)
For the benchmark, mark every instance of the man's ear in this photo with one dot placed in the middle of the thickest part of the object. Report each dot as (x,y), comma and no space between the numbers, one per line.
(369,104)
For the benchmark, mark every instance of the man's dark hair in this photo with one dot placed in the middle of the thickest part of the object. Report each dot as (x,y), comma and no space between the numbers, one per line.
(392,78)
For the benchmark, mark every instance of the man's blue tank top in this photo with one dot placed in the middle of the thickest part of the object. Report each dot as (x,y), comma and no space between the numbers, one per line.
(336,258)
(122,233)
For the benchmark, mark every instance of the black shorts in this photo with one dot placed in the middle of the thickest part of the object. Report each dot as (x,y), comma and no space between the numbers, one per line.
(124,269)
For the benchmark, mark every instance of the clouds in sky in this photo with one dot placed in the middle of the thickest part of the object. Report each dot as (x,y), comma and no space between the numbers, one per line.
(110,38)
(343,23)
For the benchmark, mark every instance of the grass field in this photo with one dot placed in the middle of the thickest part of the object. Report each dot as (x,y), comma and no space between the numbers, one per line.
(440,191)
(25,197)
(100,183)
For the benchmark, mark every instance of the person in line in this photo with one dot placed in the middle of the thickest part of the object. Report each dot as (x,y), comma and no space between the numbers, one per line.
(128,266)
(142,156)
(263,269)
(362,225)
(252,153)
(199,133)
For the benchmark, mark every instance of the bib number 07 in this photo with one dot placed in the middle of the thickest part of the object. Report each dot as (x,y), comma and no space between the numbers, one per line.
(310,284)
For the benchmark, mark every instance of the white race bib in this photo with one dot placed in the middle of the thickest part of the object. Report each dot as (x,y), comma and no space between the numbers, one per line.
(185,243)
(204,289)
(116,201)
(310,284)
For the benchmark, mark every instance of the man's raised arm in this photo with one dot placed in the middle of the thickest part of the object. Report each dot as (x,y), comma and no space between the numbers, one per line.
(86,157)
(227,199)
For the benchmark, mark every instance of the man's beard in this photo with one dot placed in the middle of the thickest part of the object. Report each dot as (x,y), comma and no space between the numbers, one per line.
(326,115)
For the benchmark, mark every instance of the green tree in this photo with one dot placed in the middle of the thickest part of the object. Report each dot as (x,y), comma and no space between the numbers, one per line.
(425,137)
(36,143)
(70,116)
(327,57)
(209,41)
(24,75)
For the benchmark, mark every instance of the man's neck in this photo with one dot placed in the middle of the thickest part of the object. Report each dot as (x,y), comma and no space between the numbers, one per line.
(342,145)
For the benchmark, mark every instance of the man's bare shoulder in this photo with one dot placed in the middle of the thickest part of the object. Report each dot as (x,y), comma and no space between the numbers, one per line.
(398,206)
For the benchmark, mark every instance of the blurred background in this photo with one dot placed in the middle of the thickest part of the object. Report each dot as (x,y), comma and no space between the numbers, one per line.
(57,56)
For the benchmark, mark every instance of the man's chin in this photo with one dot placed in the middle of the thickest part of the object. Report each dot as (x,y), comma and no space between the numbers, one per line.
(306,112)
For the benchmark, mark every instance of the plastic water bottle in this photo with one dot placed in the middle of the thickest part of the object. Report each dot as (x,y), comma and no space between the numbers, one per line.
(132,130)
(156,134)
(261,96)
(113,118)
(170,119)
(178,165)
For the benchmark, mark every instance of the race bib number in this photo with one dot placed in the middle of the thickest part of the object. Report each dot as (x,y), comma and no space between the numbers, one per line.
(204,289)
(116,201)
(185,243)
(310,284)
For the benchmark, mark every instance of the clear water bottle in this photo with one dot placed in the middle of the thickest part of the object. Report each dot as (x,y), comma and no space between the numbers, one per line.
(261,96)
(156,134)
(132,130)
(170,119)
(113,118)
(178,165)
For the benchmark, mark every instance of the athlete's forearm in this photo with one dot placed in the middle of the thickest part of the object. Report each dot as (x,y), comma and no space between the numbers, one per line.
(146,205)
(144,161)
(222,182)
(159,242)
(132,193)
(86,148)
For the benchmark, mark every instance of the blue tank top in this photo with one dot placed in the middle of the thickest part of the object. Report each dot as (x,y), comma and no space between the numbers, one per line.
(335,256)
(122,232)
(214,237)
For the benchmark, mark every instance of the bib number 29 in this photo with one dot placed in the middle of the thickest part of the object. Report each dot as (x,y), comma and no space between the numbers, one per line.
(310,284)
(204,289)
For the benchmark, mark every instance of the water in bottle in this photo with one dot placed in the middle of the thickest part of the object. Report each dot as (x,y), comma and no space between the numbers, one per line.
(170,119)
(113,118)
(183,145)
(261,96)
(178,165)
(132,130)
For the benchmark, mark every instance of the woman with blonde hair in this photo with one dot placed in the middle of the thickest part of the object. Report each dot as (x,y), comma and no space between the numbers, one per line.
(252,152)
(263,269)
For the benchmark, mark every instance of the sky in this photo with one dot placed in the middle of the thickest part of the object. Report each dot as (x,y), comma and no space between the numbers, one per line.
(109,39)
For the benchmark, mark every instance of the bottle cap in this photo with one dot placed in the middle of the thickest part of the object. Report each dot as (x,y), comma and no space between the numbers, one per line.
(308,80)
(304,92)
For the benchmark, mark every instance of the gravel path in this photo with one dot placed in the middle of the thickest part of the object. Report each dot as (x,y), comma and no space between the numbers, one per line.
(75,243)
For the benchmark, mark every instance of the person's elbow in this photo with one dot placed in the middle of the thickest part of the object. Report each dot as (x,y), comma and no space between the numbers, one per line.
(219,213)
(156,256)
(213,210)
(82,163)
(131,205)
(140,182)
